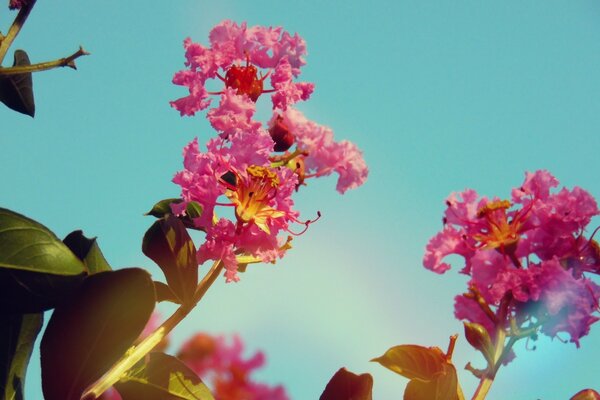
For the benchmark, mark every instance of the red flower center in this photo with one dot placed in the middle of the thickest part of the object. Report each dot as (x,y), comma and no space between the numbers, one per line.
(245,80)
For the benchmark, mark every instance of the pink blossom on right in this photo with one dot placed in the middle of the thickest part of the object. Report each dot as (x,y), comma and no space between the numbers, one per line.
(529,259)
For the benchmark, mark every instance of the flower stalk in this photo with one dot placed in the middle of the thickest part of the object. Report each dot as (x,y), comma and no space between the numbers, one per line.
(136,353)
(44,66)
(15,28)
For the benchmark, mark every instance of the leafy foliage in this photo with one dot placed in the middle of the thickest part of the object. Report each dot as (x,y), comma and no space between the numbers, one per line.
(16,91)
(37,271)
(163,377)
(432,375)
(17,335)
(169,245)
(87,250)
(92,331)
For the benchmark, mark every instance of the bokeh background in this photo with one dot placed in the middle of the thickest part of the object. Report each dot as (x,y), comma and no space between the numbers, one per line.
(440,95)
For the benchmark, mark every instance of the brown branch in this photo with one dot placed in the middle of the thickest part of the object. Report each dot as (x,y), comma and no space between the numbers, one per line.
(15,28)
(44,66)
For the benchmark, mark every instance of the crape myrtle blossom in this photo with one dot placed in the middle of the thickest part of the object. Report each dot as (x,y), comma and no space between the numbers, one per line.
(222,365)
(323,155)
(237,173)
(528,258)
(235,55)
(247,168)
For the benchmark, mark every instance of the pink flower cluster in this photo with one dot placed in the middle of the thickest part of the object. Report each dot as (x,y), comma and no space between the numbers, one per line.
(528,258)
(238,51)
(250,168)
(220,363)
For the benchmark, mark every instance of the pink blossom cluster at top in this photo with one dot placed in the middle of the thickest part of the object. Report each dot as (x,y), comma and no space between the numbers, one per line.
(529,255)
(221,364)
(233,45)
(252,168)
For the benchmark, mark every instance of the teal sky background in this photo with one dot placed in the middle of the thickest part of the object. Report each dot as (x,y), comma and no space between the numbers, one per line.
(440,96)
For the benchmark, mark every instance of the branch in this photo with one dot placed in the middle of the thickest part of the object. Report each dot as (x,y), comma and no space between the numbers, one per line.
(44,66)
(15,28)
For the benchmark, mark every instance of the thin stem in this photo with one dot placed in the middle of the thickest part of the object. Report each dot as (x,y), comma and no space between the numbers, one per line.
(15,28)
(136,353)
(44,66)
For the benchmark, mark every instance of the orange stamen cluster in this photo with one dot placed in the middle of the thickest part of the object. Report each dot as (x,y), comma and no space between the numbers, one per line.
(251,197)
(500,233)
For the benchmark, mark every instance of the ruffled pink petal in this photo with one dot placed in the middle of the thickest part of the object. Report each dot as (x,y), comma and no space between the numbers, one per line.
(233,115)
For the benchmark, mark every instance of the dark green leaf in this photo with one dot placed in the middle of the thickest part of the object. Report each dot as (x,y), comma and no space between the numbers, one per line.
(17,335)
(164,293)
(16,91)
(37,271)
(345,385)
(90,333)
(87,250)
(31,292)
(163,207)
(163,378)
(29,246)
(413,361)
(169,245)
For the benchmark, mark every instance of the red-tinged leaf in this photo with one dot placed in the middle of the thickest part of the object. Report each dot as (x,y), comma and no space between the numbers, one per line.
(93,330)
(345,385)
(586,394)
(169,245)
(165,293)
(413,361)
(443,386)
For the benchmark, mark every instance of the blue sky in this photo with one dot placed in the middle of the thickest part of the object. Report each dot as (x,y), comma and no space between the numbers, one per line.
(440,95)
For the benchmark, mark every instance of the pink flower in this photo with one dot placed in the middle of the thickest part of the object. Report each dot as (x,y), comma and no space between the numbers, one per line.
(221,363)
(237,173)
(324,155)
(233,115)
(238,52)
(527,258)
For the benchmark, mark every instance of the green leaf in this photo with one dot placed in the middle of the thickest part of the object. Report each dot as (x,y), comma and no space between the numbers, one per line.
(169,245)
(23,292)
(413,361)
(29,246)
(86,336)
(16,91)
(443,386)
(164,293)
(192,210)
(345,385)
(37,271)
(164,377)
(17,335)
(87,250)
(163,207)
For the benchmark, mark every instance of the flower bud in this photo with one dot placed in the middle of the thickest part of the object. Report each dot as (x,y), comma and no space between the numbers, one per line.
(281,135)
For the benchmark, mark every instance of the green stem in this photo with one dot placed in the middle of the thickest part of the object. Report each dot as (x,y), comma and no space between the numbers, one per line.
(136,353)
(15,28)
(44,66)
